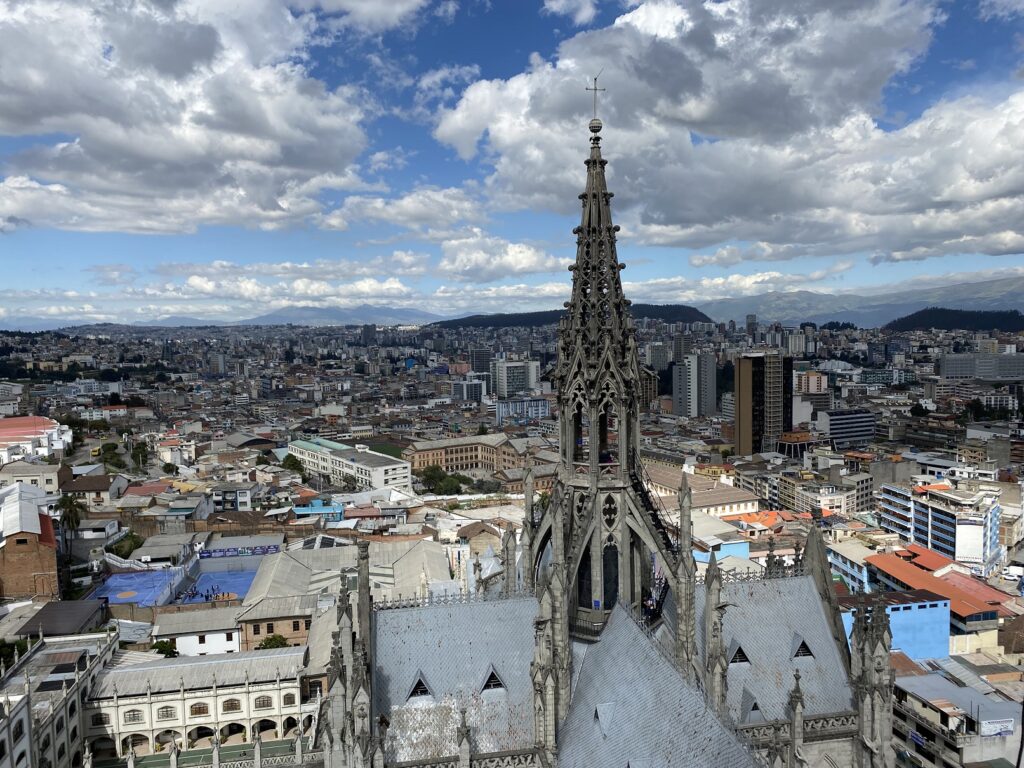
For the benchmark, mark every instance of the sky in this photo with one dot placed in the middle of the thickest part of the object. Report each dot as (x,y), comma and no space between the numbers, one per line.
(220,159)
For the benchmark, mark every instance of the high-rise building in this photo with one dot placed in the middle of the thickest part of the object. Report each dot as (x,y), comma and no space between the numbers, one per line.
(368,335)
(480,359)
(469,390)
(513,377)
(693,386)
(764,400)
(682,345)
(751,325)
(657,356)
(648,387)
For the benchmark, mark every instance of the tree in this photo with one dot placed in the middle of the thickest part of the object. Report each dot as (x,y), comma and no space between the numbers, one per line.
(166,647)
(272,641)
(140,455)
(917,410)
(292,463)
(71,511)
(170,468)
(482,429)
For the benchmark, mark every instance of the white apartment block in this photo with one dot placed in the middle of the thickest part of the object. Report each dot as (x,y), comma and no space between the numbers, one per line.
(514,377)
(962,524)
(338,461)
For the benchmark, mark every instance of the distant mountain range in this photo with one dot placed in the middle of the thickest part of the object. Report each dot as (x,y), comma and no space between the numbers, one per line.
(669,313)
(793,307)
(790,308)
(306,316)
(959,319)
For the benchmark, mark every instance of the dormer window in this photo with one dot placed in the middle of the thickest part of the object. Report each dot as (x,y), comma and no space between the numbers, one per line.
(420,688)
(493,682)
(739,657)
(803,650)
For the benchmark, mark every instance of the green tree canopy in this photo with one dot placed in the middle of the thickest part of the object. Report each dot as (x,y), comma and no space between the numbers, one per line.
(272,641)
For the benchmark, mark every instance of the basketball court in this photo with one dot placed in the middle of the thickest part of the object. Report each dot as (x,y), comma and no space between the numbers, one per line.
(141,588)
(224,585)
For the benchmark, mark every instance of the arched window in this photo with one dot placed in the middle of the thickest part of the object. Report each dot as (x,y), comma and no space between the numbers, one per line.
(289,700)
(264,702)
(198,710)
(133,716)
(101,718)
(231,705)
(165,713)
(18,731)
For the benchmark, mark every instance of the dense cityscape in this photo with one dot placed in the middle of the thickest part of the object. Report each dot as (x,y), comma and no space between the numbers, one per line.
(333,433)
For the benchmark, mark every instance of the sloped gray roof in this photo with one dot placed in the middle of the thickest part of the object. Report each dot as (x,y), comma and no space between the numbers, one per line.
(765,617)
(453,648)
(631,707)
(198,621)
(199,672)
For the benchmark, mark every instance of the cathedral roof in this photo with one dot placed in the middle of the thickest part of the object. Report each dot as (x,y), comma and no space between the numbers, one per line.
(631,706)
(768,618)
(453,648)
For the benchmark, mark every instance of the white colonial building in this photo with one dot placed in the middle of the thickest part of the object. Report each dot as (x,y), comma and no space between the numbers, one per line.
(146,706)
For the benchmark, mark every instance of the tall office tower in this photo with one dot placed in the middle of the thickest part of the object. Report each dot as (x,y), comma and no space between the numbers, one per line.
(693,386)
(764,400)
(648,387)
(657,356)
(751,325)
(369,335)
(480,360)
(682,345)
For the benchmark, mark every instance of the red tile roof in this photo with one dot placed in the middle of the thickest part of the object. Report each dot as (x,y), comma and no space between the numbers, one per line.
(980,591)
(961,602)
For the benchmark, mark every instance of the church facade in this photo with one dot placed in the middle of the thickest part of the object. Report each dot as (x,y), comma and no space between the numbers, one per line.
(598,645)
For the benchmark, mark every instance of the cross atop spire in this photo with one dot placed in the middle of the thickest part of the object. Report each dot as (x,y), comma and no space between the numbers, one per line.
(595,91)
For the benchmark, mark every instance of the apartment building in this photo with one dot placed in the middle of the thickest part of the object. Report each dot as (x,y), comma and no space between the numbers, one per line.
(514,377)
(694,391)
(847,428)
(962,524)
(763,400)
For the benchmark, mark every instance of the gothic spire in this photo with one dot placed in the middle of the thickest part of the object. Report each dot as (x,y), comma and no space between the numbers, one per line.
(598,318)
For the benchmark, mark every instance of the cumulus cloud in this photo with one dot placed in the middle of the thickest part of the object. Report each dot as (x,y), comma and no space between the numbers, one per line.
(478,257)
(180,114)
(424,209)
(580,11)
(798,164)
(406,263)
(1001,9)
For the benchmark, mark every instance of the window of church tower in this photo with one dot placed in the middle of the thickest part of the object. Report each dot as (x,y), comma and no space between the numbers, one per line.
(739,657)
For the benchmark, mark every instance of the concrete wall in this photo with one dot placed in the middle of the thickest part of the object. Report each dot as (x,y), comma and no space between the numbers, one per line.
(922,632)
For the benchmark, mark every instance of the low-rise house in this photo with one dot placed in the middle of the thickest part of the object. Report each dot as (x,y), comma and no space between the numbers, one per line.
(28,544)
(97,491)
(49,477)
(200,632)
(290,617)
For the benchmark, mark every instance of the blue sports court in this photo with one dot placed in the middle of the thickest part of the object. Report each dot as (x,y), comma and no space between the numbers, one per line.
(231,585)
(142,588)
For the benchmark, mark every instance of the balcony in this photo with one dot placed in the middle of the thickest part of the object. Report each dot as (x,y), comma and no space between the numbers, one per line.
(586,624)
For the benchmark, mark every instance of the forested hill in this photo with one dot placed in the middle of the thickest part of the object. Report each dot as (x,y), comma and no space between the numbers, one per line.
(959,320)
(669,313)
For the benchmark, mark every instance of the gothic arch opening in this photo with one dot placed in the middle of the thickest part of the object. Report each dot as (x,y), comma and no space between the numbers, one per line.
(584,583)
(610,574)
